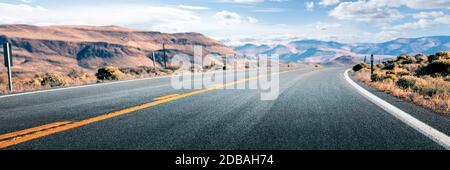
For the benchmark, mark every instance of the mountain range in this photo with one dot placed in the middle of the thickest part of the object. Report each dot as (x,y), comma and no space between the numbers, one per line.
(62,49)
(327,51)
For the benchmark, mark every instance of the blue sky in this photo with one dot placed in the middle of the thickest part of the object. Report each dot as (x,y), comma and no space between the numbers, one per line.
(247,21)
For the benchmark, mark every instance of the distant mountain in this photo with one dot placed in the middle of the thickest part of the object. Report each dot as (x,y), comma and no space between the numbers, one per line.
(426,45)
(327,51)
(41,49)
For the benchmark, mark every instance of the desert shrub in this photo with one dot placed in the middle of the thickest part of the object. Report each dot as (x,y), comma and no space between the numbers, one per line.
(53,80)
(209,67)
(405,59)
(378,76)
(138,71)
(109,73)
(412,68)
(400,71)
(360,66)
(390,65)
(426,87)
(390,77)
(439,56)
(438,67)
(420,58)
(408,82)
(447,79)
(410,60)
(173,67)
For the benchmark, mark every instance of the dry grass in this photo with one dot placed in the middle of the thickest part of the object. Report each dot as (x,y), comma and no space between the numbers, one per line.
(432,92)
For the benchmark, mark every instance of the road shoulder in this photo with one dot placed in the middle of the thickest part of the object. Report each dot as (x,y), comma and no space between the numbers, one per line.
(433,119)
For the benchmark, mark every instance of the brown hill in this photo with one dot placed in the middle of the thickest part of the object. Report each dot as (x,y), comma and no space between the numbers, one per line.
(62,49)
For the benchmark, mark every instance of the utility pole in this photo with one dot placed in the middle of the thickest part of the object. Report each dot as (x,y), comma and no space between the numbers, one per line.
(371,68)
(154,62)
(7,52)
(257,63)
(225,62)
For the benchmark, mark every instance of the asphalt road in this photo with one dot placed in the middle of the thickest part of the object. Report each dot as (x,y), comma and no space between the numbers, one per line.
(316,109)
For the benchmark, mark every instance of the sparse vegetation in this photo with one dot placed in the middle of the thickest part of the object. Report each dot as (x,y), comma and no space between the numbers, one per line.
(360,66)
(421,79)
(173,67)
(53,80)
(109,73)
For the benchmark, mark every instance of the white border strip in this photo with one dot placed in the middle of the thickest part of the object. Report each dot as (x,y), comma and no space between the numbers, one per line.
(423,128)
(80,86)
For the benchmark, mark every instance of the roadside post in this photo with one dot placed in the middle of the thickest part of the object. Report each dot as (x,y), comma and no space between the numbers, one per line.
(257,62)
(7,52)
(372,77)
(365,59)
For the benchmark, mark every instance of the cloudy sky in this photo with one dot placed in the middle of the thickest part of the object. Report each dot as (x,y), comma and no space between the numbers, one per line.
(243,21)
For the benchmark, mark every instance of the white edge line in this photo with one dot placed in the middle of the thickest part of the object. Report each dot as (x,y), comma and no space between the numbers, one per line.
(418,125)
(80,86)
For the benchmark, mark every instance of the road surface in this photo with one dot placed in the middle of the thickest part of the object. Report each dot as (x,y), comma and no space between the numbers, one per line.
(316,109)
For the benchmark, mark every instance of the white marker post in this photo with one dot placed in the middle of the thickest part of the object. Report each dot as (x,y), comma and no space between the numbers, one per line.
(7,52)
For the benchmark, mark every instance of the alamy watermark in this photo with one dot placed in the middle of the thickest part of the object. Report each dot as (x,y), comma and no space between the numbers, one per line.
(228,73)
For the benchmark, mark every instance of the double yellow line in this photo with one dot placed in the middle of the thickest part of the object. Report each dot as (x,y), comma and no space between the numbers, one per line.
(22,136)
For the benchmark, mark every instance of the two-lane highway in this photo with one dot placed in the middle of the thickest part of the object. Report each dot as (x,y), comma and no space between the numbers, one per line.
(316,109)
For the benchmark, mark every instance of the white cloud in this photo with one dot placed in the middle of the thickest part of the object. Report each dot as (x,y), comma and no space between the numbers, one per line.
(365,11)
(243,1)
(325,3)
(425,20)
(155,17)
(252,20)
(228,18)
(251,1)
(309,6)
(232,18)
(269,10)
(425,4)
(26,1)
(193,7)
(433,14)
(324,26)
(15,14)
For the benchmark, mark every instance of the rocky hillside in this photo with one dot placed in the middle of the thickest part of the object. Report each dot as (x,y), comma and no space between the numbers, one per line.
(328,51)
(41,49)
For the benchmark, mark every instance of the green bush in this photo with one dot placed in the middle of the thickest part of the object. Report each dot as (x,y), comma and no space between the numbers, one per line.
(52,80)
(109,73)
(390,65)
(438,67)
(360,66)
(420,58)
(390,76)
(409,82)
(439,56)
(403,57)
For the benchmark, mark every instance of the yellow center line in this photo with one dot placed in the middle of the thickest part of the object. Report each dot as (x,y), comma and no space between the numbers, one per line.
(166,97)
(46,130)
(31,130)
